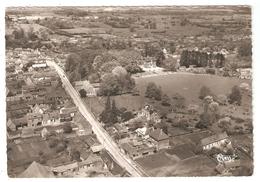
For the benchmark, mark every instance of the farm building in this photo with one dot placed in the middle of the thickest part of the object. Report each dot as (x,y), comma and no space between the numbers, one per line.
(214,141)
(160,139)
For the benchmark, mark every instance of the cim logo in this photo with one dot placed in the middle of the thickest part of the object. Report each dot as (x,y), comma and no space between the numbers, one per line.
(225,158)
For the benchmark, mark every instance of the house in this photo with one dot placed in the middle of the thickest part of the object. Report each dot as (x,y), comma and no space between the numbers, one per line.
(52,118)
(34,119)
(17,97)
(39,65)
(65,168)
(37,109)
(36,170)
(143,132)
(65,118)
(69,111)
(245,73)
(120,128)
(87,130)
(137,151)
(97,147)
(17,123)
(149,113)
(87,86)
(160,139)
(93,162)
(225,167)
(216,140)
(11,125)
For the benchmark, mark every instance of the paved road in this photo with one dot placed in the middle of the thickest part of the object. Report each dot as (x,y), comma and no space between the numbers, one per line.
(108,143)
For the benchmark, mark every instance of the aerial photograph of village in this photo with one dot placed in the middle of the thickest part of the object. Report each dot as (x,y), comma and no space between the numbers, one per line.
(129,91)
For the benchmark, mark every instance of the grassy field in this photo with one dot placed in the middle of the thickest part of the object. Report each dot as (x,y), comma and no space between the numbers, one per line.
(155,163)
(189,85)
(195,166)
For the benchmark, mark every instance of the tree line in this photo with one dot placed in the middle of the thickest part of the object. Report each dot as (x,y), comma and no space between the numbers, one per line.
(201,59)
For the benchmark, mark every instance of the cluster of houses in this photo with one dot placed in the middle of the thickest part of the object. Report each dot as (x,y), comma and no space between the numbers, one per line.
(137,142)
(37,107)
(226,162)
(145,139)
(35,98)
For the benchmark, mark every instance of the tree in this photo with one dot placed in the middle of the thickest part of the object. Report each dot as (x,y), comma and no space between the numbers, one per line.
(170,64)
(204,91)
(184,61)
(104,116)
(127,115)
(235,96)
(110,85)
(160,57)
(67,128)
(71,62)
(204,121)
(53,142)
(107,67)
(61,147)
(83,93)
(114,113)
(133,68)
(151,90)
(75,155)
(119,71)
(113,84)
(110,113)
(166,100)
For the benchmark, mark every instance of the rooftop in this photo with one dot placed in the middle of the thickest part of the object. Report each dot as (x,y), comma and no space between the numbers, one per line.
(158,135)
(214,138)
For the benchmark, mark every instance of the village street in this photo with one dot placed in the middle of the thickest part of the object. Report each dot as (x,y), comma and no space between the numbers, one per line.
(100,132)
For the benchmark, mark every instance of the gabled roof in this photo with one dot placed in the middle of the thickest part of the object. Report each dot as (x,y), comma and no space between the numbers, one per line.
(214,138)
(65,167)
(158,135)
(36,170)
(91,159)
(68,110)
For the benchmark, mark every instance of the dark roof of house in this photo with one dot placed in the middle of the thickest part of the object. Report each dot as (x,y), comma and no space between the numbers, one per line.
(158,135)
(36,170)
(128,148)
(214,138)
(113,166)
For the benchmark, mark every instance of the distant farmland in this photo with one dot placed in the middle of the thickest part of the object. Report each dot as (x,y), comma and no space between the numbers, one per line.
(189,85)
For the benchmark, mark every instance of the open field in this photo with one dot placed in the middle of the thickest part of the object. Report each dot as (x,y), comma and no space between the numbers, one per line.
(188,85)
(155,163)
(204,167)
